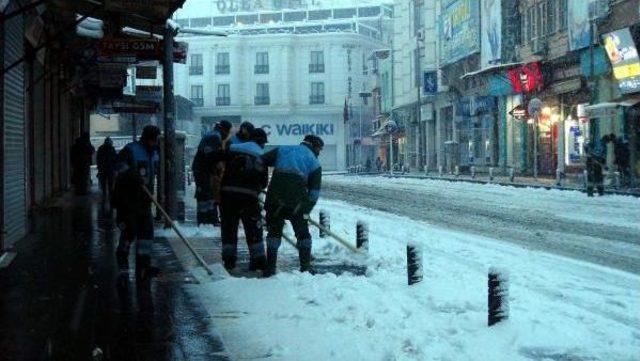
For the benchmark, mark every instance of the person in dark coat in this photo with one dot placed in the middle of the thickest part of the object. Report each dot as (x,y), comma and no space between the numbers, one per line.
(292,194)
(596,152)
(622,157)
(106,159)
(245,177)
(243,134)
(81,160)
(137,166)
(207,170)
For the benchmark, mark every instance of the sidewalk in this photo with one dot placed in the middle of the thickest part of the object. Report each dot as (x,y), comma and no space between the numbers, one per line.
(62,297)
(570,182)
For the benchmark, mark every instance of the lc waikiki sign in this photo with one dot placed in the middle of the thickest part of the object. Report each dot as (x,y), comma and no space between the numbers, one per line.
(299,129)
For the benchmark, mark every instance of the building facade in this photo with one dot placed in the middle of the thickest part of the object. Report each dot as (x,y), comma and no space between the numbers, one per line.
(290,72)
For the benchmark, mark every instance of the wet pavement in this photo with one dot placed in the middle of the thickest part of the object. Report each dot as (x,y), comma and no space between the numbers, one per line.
(63,297)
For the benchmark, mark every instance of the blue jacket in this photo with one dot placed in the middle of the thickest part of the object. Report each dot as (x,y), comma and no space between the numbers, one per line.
(136,166)
(245,172)
(296,180)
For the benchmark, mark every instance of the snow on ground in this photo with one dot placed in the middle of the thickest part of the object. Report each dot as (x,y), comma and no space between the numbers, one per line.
(561,309)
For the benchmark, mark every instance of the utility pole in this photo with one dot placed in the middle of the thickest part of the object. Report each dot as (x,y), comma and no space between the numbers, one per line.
(170,191)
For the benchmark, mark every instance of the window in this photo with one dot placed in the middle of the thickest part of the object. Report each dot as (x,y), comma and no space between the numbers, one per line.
(222,63)
(223,20)
(317,62)
(295,16)
(270,18)
(345,13)
(196,65)
(200,22)
(262,63)
(262,94)
(247,19)
(319,14)
(418,17)
(197,95)
(317,93)
(551,16)
(224,95)
(562,14)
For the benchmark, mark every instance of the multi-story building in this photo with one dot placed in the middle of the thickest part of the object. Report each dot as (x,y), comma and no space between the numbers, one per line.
(291,72)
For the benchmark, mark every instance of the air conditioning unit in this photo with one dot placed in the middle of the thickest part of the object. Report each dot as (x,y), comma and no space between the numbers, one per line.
(539,46)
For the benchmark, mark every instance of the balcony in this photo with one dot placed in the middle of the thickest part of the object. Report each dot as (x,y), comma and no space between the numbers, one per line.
(316,68)
(223,101)
(223,69)
(195,70)
(316,99)
(261,69)
(197,102)
(262,100)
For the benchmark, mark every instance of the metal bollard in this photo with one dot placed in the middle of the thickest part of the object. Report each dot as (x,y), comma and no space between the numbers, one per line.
(414,264)
(558,177)
(362,235)
(490,174)
(512,174)
(325,221)
(473,172)
(456,171)
(498,296)
(440,171)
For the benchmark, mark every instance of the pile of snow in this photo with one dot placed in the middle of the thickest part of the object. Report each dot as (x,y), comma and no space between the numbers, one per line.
(560,309)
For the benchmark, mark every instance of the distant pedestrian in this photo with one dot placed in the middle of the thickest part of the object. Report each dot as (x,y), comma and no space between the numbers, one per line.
(378,164)
(245,177)
(81,160)
(243,134)
(622,158)
(207,171)
(596,152)
(292,194)
(367,165)
(137,167)
(106,160)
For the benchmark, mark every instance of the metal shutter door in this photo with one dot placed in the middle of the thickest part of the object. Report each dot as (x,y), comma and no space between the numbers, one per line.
(39,136)
(15,206)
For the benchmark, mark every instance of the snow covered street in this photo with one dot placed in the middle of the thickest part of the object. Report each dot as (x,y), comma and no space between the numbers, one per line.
(562,308)
(603,230)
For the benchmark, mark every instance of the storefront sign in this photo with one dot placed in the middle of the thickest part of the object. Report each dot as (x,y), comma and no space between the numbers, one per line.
(146,72)
(299,129)
(430,82)
(623,55)
(579,25)
(519,112)
(155,8)
(526,78)
(120,50)
(574,144)
(459,29)
(491,19)
(483,104)
(145,93)
(180,51)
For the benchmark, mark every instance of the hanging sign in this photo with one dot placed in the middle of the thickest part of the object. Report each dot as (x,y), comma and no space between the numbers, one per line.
(623,55)
(127,50)
(151,94)
(180,50)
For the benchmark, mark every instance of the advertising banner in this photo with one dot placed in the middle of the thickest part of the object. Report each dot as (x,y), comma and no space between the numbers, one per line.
(491,52)
(623,54)
(579,26)
(430,82)
(574,144)
(459,29)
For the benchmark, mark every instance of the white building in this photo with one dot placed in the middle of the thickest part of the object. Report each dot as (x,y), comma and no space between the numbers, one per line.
(288,71)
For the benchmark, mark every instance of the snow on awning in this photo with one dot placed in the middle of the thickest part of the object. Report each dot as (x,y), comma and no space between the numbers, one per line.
(602,110)
(490,68)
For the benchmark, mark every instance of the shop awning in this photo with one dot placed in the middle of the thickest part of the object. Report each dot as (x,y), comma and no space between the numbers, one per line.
(610,109)
(629,100)
(490,68)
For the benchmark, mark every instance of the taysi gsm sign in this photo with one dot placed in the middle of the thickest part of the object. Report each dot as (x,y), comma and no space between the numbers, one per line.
(230,6)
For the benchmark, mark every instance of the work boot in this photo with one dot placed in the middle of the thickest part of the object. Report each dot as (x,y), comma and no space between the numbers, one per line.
(229,262)
(305,260)
(272,260)
(258,263)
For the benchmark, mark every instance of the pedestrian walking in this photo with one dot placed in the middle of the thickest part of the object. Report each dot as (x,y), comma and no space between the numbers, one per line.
(245,177)
(378,164)
(137,166)
(292,194)
(207,171)
(106,160)
(596,152)
(81,160)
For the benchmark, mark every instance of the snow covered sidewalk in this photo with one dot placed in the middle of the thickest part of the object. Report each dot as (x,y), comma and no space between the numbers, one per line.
(561,309)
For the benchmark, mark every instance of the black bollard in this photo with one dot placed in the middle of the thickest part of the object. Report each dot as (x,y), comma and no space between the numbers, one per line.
(325,222)
(414,264)
(362,235)
(498,297)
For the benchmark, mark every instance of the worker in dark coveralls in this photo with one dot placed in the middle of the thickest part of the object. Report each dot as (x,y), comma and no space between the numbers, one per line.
(137,167)
(245,177)
(207,172)
(292,194)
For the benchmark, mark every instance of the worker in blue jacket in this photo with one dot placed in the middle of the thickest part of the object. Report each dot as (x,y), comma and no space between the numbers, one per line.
(293,192)
(243,134)
(136,167)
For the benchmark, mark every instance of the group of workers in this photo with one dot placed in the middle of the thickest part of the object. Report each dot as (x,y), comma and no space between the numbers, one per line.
(231,173)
